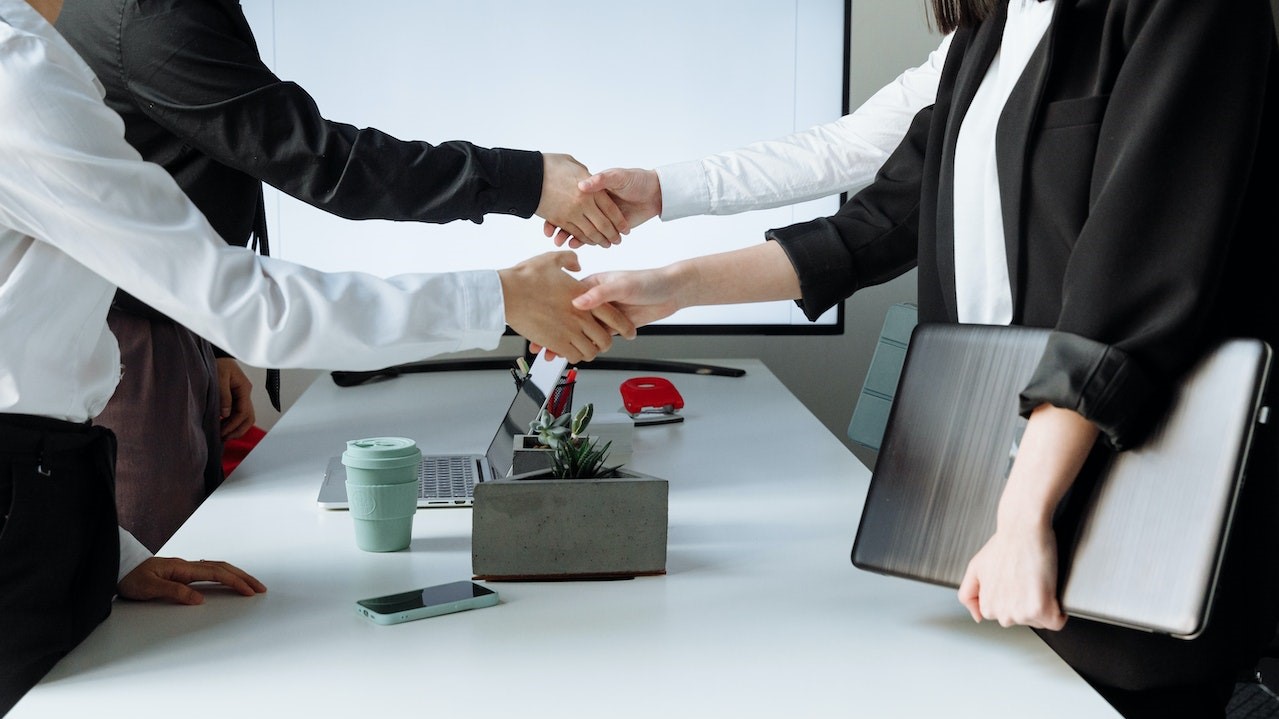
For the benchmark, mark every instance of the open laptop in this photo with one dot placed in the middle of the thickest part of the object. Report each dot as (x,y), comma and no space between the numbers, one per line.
(1141,532)
(448,480)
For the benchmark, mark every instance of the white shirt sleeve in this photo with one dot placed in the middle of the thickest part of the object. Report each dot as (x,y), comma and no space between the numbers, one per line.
(70,180)
(842,156)
(132,553)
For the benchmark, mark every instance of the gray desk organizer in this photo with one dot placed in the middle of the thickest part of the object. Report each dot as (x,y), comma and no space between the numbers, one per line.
(870,416)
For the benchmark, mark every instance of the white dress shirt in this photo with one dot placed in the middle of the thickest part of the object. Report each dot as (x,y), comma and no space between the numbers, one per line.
(981,261)
(81,213)
(841,156)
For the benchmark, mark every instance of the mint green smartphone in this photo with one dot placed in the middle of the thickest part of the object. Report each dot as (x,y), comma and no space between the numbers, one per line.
(426,602)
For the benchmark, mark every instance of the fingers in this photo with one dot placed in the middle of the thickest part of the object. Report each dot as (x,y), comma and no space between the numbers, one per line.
(224,391)
(229,575)
(611,179)
(168,578)
(970,595)
(592,298)
(597,339)
(567,260)
(615,320)
(566,207)
(236,426)
(242,414)
(613,213)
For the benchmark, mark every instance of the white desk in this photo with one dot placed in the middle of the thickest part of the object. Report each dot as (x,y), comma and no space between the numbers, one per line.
(761,613)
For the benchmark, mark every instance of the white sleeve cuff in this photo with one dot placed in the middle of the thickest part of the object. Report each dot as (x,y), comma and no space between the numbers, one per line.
(484,309)
(132,553)
(685,191)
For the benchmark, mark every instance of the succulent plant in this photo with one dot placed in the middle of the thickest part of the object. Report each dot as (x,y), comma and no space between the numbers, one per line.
(550,430)
(572,455)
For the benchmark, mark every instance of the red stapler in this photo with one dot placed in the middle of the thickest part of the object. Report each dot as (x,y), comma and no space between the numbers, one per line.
(651,400)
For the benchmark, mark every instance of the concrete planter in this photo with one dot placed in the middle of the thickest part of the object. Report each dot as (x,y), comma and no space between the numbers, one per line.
(570,528)
(529,455)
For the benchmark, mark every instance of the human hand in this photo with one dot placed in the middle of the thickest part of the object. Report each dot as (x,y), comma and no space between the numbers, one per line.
(637,193)
(167,578)
(237,403)
(538,297)
(588,218)
(644,296)
(1013,579)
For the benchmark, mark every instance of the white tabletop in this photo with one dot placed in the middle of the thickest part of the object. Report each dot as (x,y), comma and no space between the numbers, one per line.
(760,614)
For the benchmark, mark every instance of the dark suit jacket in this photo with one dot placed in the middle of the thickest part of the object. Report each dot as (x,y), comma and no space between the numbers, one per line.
(197,99)
(1136,155)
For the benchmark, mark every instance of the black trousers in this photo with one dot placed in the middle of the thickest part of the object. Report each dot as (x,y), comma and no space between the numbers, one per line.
(59,545)
(1148,675)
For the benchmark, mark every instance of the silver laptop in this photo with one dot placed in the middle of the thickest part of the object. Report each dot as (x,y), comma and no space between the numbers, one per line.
(448,480)
(1141,532)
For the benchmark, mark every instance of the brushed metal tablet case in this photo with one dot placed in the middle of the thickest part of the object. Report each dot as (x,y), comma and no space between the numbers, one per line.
(1142,543)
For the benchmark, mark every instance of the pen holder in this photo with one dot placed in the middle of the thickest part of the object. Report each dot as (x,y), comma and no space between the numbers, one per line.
(561,399)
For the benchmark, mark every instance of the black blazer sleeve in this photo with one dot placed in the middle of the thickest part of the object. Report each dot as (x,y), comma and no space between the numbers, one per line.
(194,68)
(872,239)
(1172,163)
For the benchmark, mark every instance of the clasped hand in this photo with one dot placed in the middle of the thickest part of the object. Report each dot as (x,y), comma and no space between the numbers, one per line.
(570,211)
(538,295)
(632,195)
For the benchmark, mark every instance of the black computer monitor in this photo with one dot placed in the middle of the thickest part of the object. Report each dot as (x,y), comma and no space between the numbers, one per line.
(633,84)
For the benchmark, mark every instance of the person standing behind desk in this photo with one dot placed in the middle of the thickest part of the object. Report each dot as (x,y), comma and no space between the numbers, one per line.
(197,99)
(1095,167)
(80,215)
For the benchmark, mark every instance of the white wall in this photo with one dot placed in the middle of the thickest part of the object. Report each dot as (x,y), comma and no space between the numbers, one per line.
(888,36)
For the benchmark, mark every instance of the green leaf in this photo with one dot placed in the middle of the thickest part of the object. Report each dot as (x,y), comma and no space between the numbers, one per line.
(582,419)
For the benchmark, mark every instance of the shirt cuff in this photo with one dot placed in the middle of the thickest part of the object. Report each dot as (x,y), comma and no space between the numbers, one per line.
(685,191)
(132,553)
(483,309)
(1101,382)
(520,180)
(823,267)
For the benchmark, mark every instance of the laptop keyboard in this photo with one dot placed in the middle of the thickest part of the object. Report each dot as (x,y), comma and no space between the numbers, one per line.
(447,478)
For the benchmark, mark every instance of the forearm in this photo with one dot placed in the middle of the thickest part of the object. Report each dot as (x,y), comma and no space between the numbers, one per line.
(1051,453)
(759,273)
(245,117)
(839,156)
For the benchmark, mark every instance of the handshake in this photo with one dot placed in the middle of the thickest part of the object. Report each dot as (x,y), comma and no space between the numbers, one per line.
(546,305)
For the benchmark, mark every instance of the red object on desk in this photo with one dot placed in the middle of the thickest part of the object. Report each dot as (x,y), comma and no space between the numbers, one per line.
(650,394)
(234,450)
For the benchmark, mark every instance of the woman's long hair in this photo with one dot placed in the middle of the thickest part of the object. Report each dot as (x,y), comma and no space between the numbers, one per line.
(953,14)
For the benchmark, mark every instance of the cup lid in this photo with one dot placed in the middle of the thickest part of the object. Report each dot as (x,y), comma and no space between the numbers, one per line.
(381,448)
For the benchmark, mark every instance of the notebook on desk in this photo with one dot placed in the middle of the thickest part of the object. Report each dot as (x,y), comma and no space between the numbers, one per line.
(448,480)
(1141,532)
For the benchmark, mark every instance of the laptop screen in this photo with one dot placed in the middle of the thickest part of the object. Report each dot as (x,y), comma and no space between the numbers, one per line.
(532,394)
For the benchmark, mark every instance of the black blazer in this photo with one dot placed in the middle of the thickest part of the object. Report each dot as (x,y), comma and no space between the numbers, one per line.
(1135,156)
(196,98)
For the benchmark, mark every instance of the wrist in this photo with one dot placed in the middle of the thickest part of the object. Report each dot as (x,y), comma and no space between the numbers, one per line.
(1023,510)
(657,182)
(680,281)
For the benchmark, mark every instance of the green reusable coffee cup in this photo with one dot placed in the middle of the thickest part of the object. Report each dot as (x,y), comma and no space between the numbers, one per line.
(381,491)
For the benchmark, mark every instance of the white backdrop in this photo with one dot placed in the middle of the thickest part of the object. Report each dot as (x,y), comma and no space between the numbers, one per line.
(633,84)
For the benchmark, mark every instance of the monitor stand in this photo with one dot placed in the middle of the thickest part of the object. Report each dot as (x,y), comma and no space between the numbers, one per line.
(349,379)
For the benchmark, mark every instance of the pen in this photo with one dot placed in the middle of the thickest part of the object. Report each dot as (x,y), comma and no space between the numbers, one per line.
(523,365)
(571,376)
